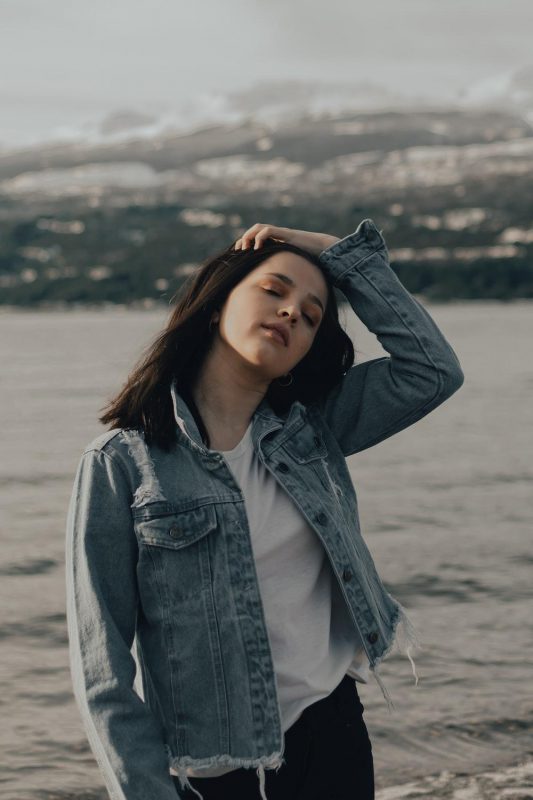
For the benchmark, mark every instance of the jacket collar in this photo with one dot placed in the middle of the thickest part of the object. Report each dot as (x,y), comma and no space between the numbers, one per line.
(264,418)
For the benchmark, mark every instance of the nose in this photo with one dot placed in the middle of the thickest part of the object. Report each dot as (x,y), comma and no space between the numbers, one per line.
(290,311)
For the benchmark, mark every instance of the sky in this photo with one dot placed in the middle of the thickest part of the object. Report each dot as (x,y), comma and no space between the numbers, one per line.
(65,61)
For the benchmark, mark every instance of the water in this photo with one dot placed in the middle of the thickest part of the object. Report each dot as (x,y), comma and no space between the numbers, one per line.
(445,508)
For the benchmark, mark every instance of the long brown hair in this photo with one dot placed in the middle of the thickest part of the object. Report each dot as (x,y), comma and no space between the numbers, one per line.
(145,403)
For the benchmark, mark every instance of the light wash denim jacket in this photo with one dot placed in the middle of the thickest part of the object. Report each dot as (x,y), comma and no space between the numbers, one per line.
(159,555)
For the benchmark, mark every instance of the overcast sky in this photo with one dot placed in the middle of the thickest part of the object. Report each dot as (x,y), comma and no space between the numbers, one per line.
(64,61)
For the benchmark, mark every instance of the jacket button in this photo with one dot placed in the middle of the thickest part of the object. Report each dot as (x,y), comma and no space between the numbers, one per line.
(321,518)
(372,637)
(346,575)
(174,531)
(282,466)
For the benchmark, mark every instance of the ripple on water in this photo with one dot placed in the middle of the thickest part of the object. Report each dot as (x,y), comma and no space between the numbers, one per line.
(50,627)
(35,566)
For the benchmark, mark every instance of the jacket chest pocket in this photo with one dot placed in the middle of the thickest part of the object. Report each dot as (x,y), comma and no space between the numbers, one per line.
(174,550)
(308,449)
(305,446)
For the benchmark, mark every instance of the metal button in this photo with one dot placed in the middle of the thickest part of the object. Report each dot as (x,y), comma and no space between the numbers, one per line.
(321,518)
(174,531)
(346,575)
(282,466)
(372,637)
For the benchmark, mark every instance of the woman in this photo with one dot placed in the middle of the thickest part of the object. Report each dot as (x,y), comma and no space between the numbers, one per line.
(216,526)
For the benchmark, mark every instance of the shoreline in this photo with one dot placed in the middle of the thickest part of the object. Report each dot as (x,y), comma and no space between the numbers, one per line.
(148,304)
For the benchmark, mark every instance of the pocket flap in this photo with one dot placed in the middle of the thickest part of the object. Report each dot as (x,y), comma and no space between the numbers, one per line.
(178,528)
(306,445)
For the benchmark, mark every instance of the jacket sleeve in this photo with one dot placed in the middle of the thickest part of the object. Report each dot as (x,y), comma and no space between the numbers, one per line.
(101,594)
(382,396)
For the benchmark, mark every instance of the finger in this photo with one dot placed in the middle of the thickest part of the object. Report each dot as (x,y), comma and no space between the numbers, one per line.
(239,243)
(261,236)
(269,233)
(252,232)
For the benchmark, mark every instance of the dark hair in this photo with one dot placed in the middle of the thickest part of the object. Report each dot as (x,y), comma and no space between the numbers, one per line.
(177,352)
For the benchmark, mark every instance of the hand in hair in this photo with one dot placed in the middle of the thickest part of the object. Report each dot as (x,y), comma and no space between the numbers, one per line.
(312,242)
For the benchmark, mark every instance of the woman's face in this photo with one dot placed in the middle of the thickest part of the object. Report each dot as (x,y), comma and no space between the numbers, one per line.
(294,299)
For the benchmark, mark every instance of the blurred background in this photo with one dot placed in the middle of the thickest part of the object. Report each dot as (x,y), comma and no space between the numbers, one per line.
(138,138)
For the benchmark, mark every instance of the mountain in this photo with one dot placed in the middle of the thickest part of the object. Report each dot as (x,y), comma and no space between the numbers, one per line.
(278,103)
(123,214)
(265,102)
(508,91)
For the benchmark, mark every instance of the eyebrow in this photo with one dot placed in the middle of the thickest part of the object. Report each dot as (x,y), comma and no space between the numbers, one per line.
(290,282)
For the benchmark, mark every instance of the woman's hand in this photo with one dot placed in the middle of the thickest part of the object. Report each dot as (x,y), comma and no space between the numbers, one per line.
(312,242)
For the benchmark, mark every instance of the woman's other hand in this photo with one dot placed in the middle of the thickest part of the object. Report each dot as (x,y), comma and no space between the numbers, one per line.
(307,240)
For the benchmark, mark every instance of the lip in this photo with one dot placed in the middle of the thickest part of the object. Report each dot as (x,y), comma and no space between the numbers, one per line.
(283,333)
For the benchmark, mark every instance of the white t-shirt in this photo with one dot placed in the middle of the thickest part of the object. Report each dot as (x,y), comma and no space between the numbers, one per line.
(314,643)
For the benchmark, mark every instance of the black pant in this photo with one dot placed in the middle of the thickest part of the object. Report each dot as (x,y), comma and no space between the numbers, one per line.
(328,756)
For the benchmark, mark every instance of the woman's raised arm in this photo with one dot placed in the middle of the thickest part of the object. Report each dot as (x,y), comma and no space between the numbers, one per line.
(382,396)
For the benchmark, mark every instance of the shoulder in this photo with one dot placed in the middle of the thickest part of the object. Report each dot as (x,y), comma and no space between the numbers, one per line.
(113,449)
(101,441)
(126,447)
(124,444)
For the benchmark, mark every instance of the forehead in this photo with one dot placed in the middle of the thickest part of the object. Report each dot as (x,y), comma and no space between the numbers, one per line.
(305,274)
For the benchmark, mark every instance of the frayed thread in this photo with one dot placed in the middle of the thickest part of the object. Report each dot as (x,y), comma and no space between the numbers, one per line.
(386,695)
(260,771)
(149,487)
(406,638)
(182,769)
(185,783)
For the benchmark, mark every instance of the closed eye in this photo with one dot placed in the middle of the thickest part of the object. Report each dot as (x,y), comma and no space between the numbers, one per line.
(308,318)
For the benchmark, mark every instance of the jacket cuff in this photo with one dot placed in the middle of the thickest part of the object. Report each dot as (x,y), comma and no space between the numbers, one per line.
(348,252)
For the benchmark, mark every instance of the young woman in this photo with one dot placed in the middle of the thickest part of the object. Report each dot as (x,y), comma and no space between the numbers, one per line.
(216,527)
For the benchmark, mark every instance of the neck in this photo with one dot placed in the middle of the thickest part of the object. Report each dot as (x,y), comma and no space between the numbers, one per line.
(226,397)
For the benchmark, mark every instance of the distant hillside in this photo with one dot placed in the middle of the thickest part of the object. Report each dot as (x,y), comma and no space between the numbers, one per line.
(125,222)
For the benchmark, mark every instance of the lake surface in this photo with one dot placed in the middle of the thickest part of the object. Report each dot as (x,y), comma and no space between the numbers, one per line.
(446,509)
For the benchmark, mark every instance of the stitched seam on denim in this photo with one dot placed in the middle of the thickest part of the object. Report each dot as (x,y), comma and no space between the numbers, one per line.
(159,581)
(262,623)
(359,237)
(92,445)
(113,460)
(117,457)
(219,656)
(357,263)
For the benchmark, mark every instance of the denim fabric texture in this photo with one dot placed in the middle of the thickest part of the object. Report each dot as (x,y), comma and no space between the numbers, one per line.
(159,556)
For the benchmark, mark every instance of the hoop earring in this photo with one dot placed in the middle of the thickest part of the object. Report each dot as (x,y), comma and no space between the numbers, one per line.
(288,382)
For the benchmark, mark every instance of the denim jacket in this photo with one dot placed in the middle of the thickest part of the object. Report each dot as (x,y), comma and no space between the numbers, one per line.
(160,563)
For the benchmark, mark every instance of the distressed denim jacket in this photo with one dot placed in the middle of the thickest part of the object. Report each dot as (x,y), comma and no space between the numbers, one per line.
(160,562)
